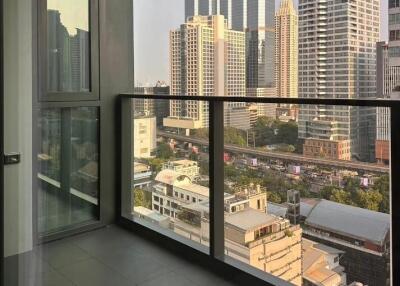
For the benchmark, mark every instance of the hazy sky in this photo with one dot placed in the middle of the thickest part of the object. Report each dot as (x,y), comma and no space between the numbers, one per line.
(155,18)
(74,13)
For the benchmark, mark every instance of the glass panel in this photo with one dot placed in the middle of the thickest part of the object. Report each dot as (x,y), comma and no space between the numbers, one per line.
(170,176)
(68,167)
(68,44)
(311,207)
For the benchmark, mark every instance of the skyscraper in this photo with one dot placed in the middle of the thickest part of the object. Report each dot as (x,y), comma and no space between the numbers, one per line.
(388,81)
(286,50)
(260,50)
(201,7)
(256,18)
(206,58)
(337,59)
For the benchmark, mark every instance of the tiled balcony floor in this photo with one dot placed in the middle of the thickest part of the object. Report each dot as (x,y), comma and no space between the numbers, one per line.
(111,257)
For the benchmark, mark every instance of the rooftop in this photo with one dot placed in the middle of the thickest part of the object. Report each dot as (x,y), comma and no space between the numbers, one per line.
(350,221)
(183,162)
(277,209)
(194,188)
(250,219)
(170,177)
(315,265)
(140,167)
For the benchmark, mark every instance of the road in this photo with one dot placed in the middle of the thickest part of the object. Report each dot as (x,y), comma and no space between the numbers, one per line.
(350,165)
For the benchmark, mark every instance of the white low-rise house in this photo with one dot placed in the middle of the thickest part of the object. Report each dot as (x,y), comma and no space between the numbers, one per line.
(184,167)
(141,175)
(172,190)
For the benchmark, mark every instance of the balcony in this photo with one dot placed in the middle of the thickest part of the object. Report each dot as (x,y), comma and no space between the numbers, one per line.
(110,183)
(207,221)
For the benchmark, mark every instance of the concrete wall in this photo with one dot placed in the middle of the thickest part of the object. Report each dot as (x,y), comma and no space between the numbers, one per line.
(18,125)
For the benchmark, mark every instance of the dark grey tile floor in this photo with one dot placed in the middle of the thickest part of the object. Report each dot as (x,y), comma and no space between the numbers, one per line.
(111,257)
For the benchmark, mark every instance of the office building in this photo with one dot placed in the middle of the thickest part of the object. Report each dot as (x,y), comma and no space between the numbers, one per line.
(201,8)
(144,132)
(263,109)
(260,34)
(321,265)
(337,59)
(266,242)
(241,117)
(363,235)
(329,149)
(158,108)
(286,50)
(72,72)
(256,18)
(207,44)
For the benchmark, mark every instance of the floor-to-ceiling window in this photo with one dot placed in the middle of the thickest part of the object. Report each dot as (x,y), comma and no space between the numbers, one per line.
(67,116)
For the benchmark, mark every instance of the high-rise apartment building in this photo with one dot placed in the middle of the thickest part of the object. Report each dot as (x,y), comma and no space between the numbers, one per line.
(201,8)
(337,59)
(256,18)
(260,53)
(394,32)
(286,50)
(388,80)
(68,56)
(206,59)
(145,106)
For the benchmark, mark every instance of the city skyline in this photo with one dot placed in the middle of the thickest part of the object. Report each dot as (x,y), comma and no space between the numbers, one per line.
(148,30)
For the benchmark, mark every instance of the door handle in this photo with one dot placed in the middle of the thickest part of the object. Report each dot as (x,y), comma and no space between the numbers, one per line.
(12,158)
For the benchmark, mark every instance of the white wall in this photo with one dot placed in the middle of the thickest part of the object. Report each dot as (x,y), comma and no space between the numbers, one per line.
(18,125)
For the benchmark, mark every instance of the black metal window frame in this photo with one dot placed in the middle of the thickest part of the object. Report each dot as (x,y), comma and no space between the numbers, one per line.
(216,167)
(45,99)
(93,94)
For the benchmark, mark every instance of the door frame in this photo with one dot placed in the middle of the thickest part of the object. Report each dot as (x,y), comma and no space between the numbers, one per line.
(1,148)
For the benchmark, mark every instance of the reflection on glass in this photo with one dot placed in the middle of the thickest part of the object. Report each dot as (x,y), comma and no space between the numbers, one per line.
(169,177)
(68,167)
(68,44)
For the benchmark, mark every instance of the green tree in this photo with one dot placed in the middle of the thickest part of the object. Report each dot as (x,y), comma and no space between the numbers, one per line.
(201,133)
(327,191)
(368,199)
(142,198)
(351,184)
(164,151)
(382,185)
(287,133)
(340,196)
(274,197)
(235,136)
(156,164)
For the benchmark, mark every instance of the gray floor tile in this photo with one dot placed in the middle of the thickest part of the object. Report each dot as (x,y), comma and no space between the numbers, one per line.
(50,278)
(92,272)
(135,266)
(169,279)
(202,276)
(62,253)
(104,241)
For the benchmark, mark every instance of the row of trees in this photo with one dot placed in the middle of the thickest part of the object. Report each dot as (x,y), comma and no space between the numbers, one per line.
(277,184)
(375,198)
(269,131)
(231,135)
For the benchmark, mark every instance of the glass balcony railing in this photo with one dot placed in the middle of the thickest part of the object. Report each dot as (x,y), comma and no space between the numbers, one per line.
(268,185)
